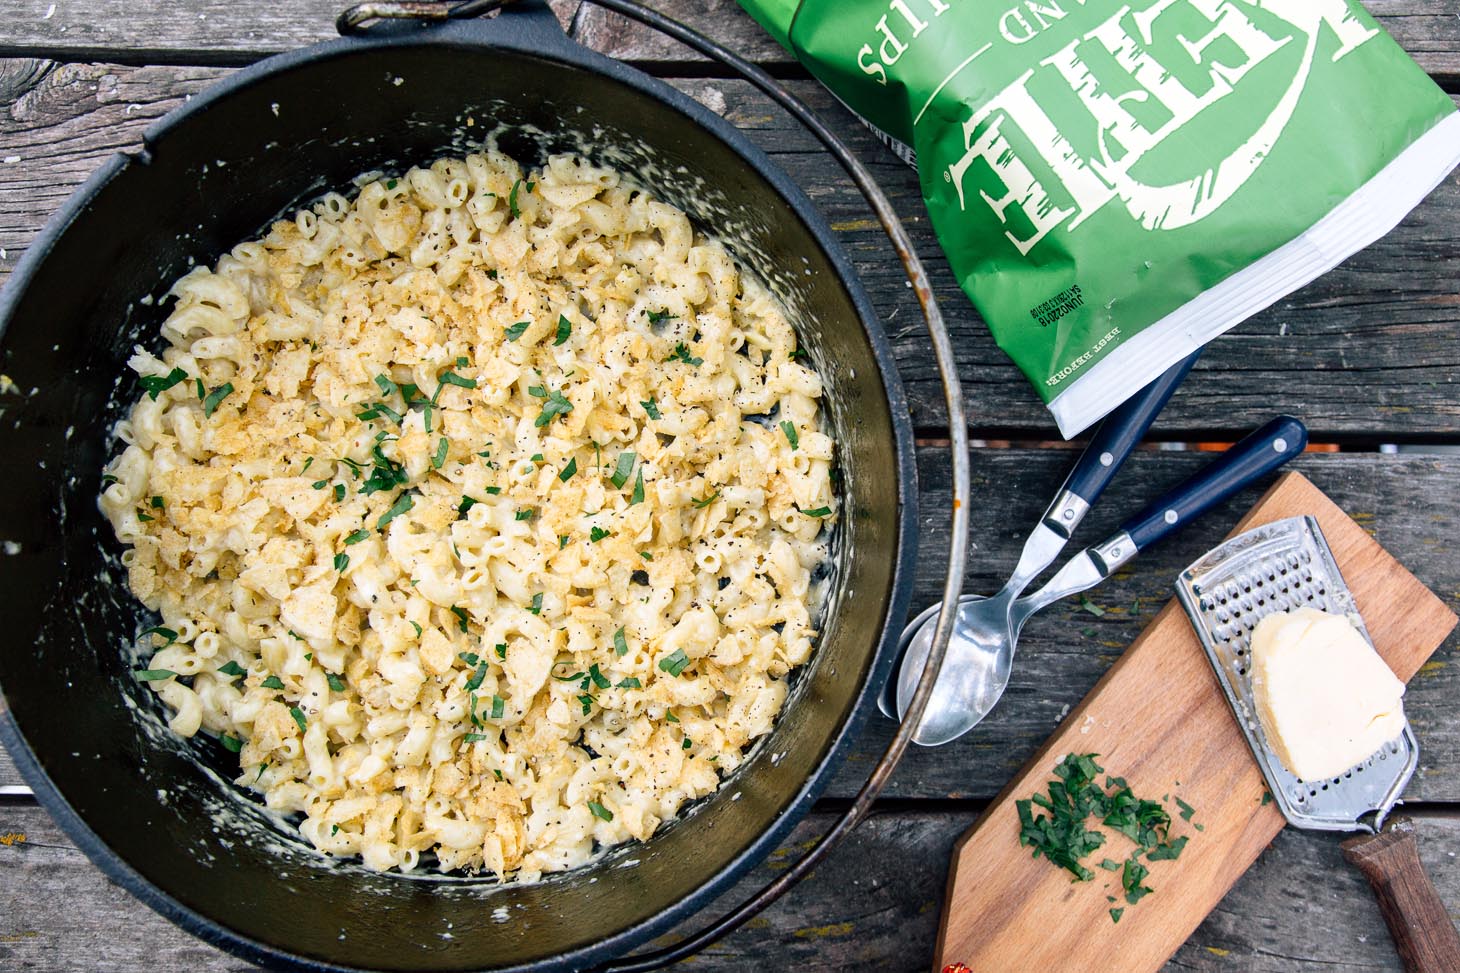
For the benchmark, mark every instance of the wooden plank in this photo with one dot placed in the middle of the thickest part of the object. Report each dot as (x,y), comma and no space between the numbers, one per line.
(158,32)
(873,905)
(1427,29)
(1409,502)
(1159,719)
(223,32)
(1367,352)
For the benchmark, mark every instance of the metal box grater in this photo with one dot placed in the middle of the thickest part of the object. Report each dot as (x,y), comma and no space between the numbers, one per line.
(1279,567)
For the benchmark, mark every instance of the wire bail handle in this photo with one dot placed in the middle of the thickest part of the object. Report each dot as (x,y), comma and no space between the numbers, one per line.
(355,21)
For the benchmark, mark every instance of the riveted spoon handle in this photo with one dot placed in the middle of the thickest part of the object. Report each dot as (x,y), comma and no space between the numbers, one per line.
(1254,457)
(1121,431)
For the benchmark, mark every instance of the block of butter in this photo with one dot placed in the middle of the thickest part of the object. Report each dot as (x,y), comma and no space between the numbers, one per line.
(1325,699)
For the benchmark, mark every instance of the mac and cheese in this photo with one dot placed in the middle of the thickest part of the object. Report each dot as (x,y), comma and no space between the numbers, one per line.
(481,512)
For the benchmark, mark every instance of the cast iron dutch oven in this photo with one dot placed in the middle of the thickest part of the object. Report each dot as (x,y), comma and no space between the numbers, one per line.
(158,814)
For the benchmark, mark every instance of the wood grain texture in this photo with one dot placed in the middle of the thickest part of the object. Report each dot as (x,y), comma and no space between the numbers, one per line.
(1408,502)
(1159,719)
(1423,932)
(872,906)
(222,31)
(1365,353)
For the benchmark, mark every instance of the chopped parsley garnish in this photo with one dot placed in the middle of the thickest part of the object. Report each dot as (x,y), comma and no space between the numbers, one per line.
(362,534)
(215,397)
(417,627)
(1115,914)
(466,504)
(512,198)
(298,715)
(565,330)
(475,679)
(202,391)
(701,504)
(231,743)
(681,353)
(451,378)
(620,644)
(686,744)
(320,484)
(1061,835)
(501,649)
(386,386)
(273,682)
(307,464)
(623,469)
(470,658)
(476,737)
(569,470)
(657,318)
(339,492)
(1130,880)
(562,541)
(536,458)
(499,706)
(1186,809)
(342,561)
(536,607)
(460,614)
(629,682)
(651,409)
(391,183)
(145,518)
(669,715)
(377,409)
(155,385)
(514,331)
(440,457)
(599,679)
(232,668)
(818,512)
(555,404)
(401,505)
(336,683)
(597,534)
(638,495)
(646,555)
(166,633)
(586,701)
(1091,607)
(599,811)
(462,361)
(107,479)
(154,675)
(789,428)
(674,663)
(385,474)
(524,514)
(493,491)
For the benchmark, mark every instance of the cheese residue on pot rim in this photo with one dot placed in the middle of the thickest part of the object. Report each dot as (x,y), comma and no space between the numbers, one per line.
(1325,699)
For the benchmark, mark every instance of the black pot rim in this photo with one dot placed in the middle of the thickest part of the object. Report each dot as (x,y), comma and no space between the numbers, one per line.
(525,32)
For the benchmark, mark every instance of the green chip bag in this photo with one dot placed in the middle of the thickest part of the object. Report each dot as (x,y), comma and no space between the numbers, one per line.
(1116,184)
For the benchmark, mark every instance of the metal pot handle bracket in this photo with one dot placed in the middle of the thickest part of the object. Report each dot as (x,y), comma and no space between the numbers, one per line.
(355,21)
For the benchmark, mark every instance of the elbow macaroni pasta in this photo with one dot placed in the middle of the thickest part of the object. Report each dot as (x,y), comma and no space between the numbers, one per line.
(481,512)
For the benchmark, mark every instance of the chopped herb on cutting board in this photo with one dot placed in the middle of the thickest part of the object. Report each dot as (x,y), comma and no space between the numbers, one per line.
(1058,829)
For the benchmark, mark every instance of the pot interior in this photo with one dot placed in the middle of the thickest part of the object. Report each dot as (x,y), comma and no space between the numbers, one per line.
(164,817)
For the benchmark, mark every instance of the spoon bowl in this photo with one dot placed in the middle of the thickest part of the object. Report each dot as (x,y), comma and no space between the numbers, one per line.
(980,658)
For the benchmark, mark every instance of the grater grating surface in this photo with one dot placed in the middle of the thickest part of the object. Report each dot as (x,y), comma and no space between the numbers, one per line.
(1279,567)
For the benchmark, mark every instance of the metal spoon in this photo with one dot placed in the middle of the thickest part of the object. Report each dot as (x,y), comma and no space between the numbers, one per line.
(1107,450)
(981,655)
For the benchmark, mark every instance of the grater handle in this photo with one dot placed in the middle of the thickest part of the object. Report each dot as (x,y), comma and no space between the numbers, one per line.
(1120,432)
(1259,454)
(1422,929)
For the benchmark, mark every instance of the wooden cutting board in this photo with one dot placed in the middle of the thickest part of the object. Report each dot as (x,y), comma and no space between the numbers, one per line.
(1159,719)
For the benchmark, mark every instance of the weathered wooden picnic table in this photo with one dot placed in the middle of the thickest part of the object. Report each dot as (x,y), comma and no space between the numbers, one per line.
(1367,356)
